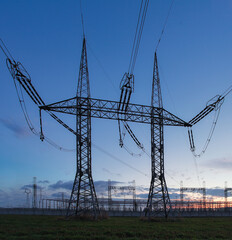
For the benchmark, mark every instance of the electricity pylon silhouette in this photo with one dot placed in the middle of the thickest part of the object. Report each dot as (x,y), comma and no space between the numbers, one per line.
(158,202)
(83,197)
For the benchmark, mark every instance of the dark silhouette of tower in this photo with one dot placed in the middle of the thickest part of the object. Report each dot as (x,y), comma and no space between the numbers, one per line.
(158,199)
(83,197)
(34,200)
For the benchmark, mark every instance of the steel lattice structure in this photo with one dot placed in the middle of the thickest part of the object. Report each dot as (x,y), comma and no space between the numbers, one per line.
(121,189)
(83,197)
(192,189)
(226,190)
(158,198)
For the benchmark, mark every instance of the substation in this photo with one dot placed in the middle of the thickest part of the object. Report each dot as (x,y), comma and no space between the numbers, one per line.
(123,201)
(83,198)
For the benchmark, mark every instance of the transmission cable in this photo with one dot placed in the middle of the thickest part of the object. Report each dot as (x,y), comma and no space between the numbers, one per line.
(29,123)
(119,160)
(102,67)
(127,82)
(138,35)
(165,23)
(7,51)
(197,169)
(228,90)
(82,19)
(212,129)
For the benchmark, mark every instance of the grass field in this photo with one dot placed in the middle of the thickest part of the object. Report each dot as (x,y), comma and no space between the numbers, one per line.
(53,227)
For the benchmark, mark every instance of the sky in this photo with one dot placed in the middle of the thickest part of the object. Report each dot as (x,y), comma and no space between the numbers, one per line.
(194,59)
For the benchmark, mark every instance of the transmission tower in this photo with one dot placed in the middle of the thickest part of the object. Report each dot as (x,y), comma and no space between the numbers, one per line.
(27,191)
(158,199)
(34,200)
(226,190)
(83,197)
(122,190)
(192,189)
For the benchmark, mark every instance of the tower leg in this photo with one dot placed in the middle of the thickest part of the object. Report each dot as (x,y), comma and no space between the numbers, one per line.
(158,203)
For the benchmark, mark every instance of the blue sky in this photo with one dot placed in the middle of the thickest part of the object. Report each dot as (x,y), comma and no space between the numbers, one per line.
(194,59)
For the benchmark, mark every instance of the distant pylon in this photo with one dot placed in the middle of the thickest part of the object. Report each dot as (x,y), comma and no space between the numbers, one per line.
(158,202)
(83,197)
(27,191)
(34,200)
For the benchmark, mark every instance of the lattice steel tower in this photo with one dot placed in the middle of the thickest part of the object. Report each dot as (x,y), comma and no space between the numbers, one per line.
(158,199)
(83,197)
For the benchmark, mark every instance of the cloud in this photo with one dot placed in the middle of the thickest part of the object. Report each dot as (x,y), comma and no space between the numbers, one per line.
(12,198)
(142,195)
(44,182)
(220,163)
(100,186)
(14,127)
(216,192)
(62,185)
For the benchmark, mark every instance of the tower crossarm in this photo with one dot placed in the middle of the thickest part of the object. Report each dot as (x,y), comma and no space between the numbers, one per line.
(107,109)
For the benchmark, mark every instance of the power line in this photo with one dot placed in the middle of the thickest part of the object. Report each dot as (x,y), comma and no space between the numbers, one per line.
(5,51)
(119,160)
(82,19)
(132,53)
(165,23)
(210,135)
(138,35)
(102,67)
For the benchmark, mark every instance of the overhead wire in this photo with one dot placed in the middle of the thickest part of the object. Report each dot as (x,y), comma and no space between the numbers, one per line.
(29,88)
(228,90)
(82,18)
(210,135)
(7,51)
(216,106)
(140,34)
(132,53)
(119,160)
(29,122)
(128,165)
(164,26)
(102,67)
(157,45)
(127,82)
(197,169)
